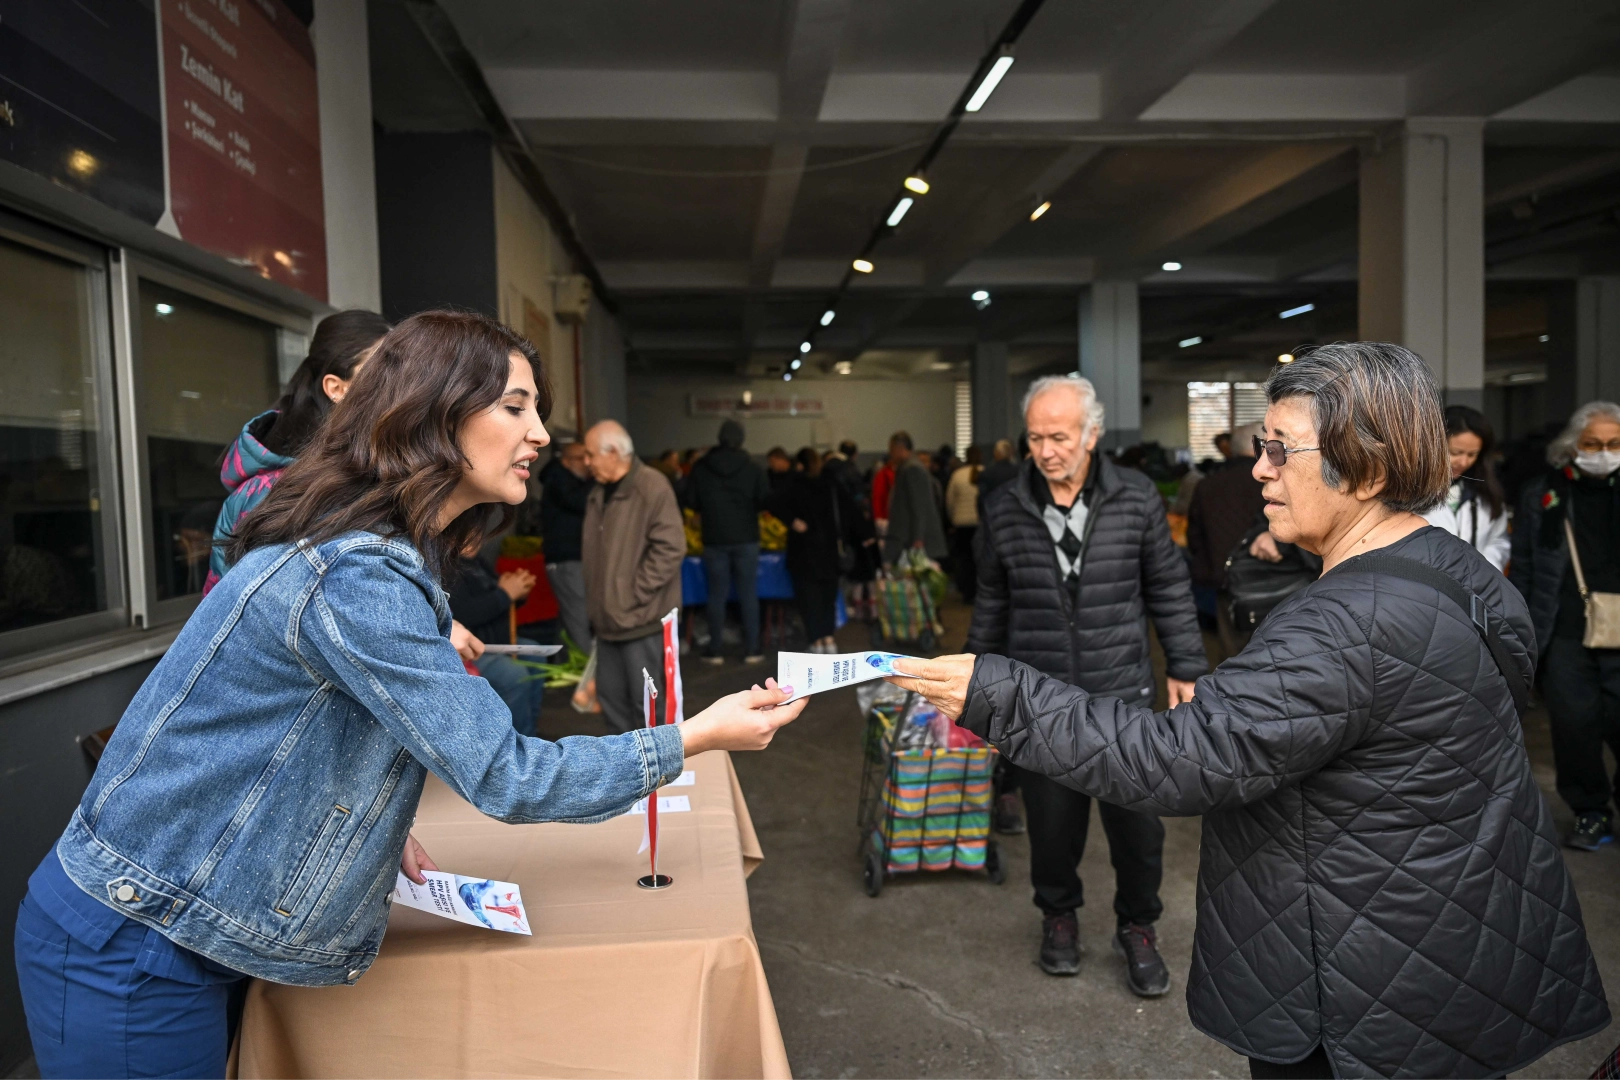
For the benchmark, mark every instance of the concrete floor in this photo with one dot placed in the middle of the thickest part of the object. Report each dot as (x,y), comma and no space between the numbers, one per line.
(937,976)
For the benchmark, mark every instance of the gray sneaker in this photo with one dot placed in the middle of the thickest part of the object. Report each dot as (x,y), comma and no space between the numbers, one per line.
(1060,944)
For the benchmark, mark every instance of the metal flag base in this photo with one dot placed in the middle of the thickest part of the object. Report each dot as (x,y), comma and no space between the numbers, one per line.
(655,881)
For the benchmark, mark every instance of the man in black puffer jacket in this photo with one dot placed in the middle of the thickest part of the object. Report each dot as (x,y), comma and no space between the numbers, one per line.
(1073,554)
(728,491)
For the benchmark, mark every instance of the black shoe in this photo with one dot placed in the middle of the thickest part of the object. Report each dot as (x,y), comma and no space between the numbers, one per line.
(1592,830)
(1008,821)
(1144,967)
(1060,944)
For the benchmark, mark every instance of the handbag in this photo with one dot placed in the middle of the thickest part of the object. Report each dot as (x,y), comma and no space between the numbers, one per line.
(1602,608)
(1255,586)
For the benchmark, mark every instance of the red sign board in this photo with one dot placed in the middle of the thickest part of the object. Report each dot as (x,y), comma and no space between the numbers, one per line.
(245,136)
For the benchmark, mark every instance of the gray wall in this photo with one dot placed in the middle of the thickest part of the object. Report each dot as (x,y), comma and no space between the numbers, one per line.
(45,773)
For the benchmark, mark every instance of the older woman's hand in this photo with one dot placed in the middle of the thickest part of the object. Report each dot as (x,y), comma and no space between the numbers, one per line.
(1265,547)
(942,680)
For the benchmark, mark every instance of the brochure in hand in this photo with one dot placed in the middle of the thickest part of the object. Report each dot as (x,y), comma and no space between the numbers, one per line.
(811,673)
(494,905)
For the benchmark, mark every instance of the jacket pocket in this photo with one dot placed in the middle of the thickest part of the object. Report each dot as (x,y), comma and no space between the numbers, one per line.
(305,877)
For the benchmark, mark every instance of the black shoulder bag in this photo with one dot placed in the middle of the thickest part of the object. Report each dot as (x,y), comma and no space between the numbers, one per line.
(1473,604)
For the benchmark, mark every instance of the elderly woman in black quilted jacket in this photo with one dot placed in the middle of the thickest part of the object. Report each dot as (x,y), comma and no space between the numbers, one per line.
(1381,892)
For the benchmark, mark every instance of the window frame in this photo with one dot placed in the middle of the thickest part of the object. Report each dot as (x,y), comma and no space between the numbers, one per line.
(94,258)
(146,610)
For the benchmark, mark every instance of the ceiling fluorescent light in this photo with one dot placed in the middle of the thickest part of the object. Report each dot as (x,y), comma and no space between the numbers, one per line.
(844,367)
(1286,358)
(992,79)
(787,376)
(796,363)
(804,346)
(980,295)
(916,183)
(1171,266)
(1291,312)
(899,210)
(1039,210)
(827,317)
(863,266)
(1189,342)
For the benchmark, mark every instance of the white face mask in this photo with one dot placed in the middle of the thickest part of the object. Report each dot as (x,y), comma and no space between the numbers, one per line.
(1601,463)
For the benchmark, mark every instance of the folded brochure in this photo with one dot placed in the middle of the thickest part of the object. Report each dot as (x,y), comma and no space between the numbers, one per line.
(811,673)
(494,905)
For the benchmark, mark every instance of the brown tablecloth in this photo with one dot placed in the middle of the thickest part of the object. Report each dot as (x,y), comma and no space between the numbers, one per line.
(616,981)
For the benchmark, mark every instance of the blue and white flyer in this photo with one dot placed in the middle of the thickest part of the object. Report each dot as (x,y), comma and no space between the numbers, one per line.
(494,905)
(811,673)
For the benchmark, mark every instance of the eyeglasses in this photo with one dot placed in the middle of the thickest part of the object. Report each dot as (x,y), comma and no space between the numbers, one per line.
(1276,452)
(1597,446)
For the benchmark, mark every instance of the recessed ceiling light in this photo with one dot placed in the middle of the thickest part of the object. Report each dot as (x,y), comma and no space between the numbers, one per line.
(796,363)
(917,183)
(827,317)
(980,295)
(1171,266)
(863,266)
(1286,358)
(1035,215)
(787,376)
(1291,312)
(804,346)
(843,367)
(899,211)
(1545,338)
(1189,342)
(168,309)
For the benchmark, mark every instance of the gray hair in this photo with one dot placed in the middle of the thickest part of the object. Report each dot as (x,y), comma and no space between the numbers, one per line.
(1378,417)
(1084,393)
(1561,451)
(615,438)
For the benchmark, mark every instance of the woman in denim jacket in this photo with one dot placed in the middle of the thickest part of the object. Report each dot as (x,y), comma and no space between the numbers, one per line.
(250,813)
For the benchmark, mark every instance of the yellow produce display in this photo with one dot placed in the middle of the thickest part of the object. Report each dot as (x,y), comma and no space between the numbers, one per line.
(694,532)
(772,533)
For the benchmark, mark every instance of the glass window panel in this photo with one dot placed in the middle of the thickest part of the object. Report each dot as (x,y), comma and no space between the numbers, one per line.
(53,562)
(206,370)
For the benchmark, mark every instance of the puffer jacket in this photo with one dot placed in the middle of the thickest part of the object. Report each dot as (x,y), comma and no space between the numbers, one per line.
(728,490)
(1130,569)
(248,471)
(1379,872)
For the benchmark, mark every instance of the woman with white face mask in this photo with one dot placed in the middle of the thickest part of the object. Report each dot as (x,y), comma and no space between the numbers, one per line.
(1566,549)
(1474,507)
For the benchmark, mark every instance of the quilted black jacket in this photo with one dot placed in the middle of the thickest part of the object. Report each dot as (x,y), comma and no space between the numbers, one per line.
(1130,568)
(1379,871)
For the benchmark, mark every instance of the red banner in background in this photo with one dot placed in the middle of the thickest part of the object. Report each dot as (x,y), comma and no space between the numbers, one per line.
(244,129)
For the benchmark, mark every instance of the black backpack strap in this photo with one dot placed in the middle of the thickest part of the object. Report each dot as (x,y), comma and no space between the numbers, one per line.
(1473,604)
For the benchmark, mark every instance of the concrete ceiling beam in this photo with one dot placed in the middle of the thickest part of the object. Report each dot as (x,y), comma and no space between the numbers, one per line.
(1518,51)
(1170,41)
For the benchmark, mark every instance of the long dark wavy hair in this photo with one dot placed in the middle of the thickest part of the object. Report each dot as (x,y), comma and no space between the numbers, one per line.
(340,342)
(389,455)
(1482,477)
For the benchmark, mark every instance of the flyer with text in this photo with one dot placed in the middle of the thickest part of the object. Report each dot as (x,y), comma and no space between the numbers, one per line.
(811,673)
(494,905)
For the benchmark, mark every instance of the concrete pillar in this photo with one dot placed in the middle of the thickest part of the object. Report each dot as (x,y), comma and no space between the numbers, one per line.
(348,169)
(992,408)
(1111,357)
(1422,239)
(1597,339)
(602,359)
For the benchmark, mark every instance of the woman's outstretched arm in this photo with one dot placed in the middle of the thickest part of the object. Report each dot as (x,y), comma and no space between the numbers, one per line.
(1295,699)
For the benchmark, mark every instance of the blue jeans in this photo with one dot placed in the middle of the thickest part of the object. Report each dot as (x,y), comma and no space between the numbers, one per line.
(136,1006)
(520,686)
(725,563)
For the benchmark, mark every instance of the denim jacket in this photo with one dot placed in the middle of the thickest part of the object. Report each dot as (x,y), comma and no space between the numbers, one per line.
(253,803)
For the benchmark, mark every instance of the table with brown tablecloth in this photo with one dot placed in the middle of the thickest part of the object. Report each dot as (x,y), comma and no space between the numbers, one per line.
(616,981)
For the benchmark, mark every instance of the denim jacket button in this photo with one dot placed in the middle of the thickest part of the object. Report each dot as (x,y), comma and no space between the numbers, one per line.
(125,893)
(353,975)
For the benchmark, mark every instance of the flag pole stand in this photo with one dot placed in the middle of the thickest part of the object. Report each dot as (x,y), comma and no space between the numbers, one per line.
(655,881)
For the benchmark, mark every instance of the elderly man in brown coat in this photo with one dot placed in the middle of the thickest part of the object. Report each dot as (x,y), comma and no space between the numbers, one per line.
(632,546)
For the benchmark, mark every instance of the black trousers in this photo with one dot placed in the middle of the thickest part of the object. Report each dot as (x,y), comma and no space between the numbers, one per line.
(967,577)
(1059,818)
(1314,1067)
(818,605)
(1582,688)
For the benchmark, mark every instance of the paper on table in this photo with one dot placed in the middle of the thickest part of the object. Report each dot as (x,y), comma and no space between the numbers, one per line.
(686,779)
(494,905)
(811,673)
